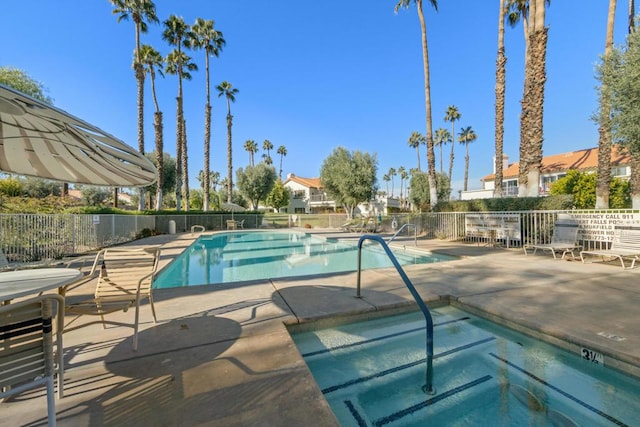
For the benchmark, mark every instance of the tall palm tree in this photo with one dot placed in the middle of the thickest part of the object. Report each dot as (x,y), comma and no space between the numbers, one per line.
(227,90)
(205,37)
(267,146)
(153,63)
(392,172)
(415,140)
(176,33)
(631,16)
(282,150)
(452,115)
(251,147)
(501,75)
(140,12)
(532,13)
(604,129)
(386,178)
(431,162)
(402,173)
(466,136)
(179,63)
(442,137)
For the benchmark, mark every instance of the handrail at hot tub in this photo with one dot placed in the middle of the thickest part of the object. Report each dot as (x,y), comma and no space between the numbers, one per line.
(428,388)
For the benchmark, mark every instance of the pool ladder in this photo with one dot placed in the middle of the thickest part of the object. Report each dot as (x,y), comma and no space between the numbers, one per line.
(428,387)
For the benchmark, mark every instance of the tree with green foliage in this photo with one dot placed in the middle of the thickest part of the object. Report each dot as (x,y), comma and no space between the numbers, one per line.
(227,90)
(168,183)
(420,192)
(582,186)
(140,12)
(279,196)
(94,196)
(256,182)
(21,81)
(349,177)
(618,73)
(10,187)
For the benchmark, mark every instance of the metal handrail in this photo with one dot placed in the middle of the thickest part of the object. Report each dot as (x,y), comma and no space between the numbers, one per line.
(428,388)
(415,233)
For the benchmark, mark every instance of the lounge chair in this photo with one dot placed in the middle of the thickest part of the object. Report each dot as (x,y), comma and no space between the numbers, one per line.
(563,240)
(26,348)
(124,279)
(625,245)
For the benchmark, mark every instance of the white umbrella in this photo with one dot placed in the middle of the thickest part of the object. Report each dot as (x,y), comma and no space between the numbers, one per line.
(233,208)
(39,140)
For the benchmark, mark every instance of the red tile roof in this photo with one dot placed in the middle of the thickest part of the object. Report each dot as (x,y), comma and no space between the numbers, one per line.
(582,160)
(307,182)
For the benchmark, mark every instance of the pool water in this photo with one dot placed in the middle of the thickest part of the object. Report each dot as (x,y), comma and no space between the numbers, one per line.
(372,374)
(242,256)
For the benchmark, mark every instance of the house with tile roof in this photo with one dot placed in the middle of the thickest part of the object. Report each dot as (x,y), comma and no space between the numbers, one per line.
(308,196)
(553,168)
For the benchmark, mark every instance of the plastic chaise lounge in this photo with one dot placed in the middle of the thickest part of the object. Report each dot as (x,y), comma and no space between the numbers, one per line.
(625,245)
(563,240)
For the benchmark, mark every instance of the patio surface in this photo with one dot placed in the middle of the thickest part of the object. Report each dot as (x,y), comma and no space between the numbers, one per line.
(221,355)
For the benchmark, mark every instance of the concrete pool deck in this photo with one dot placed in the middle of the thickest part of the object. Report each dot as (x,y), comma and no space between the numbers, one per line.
(222,355)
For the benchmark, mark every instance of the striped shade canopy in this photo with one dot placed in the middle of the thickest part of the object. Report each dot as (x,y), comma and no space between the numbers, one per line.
(39,140)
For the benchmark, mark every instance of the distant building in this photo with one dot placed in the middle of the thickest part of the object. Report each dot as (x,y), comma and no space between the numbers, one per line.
(308,196)
(553,168)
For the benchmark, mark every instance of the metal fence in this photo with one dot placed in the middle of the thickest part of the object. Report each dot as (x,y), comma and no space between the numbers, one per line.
(28,238)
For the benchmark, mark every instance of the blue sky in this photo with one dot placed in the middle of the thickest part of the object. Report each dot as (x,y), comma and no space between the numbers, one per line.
(313,76)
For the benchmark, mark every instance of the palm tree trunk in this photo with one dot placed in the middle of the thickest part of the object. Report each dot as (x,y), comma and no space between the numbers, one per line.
(418,154)
(635,179)
(185,169)
(431,161)
(501,63)
(207,139)
(466,166)
(229,155)
(139,72)
(178,188)
(604,130)
(451,156)
(157,125)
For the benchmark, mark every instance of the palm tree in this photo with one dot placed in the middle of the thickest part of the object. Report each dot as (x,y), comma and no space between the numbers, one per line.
(227,90)
(140,11)
(176,33)
(466,136)
(604,130)
(431,163)
(392,172)
(251,147)
(179,63)
(267,146)
(451,115)
(415,140)
(282,150)
(442,137)
(204,36)
(386,178)
(532,13)
(402,172)
(153,62)
(501,73)
(404,175)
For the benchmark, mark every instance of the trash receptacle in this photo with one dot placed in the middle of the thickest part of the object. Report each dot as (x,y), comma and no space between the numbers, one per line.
(172,227)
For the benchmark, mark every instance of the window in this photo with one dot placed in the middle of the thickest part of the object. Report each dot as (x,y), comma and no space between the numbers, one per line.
(298,194)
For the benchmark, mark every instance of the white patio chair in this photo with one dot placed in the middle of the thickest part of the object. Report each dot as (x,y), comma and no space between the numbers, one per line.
(564,239)
(125,278)
(26,348)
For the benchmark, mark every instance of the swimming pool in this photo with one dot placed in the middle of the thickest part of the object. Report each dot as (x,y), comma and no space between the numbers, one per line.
(253,255)
(372,374)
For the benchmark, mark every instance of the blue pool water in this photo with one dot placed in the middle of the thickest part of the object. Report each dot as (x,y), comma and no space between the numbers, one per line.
(253,255)
(372,372)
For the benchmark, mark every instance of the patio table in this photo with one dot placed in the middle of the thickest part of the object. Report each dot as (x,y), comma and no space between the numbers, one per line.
(20,283)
